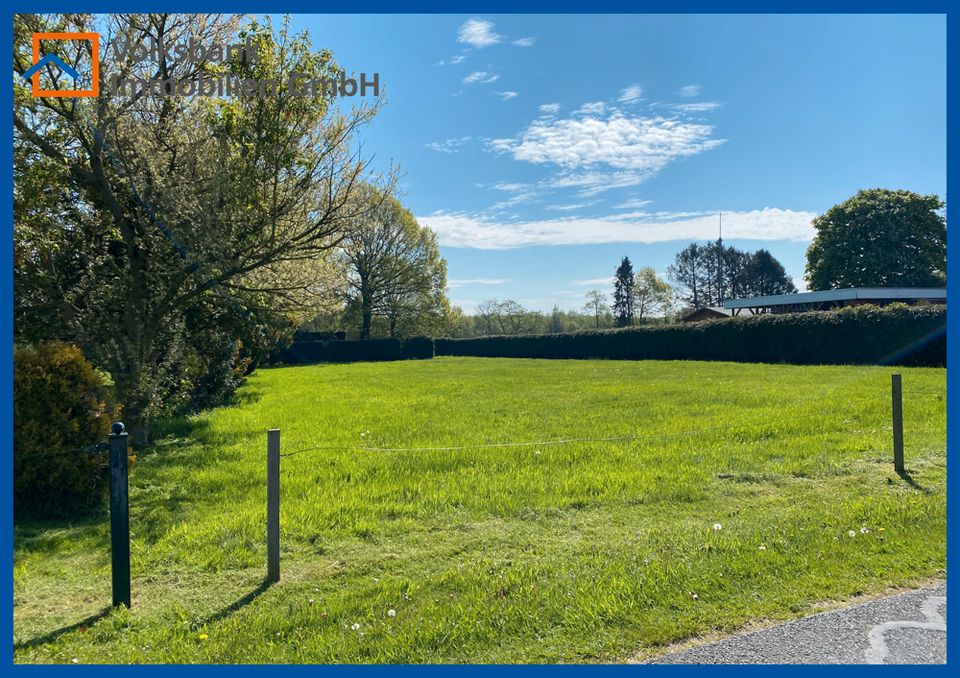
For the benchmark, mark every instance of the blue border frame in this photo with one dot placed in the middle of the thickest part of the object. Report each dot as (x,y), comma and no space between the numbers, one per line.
(490,7)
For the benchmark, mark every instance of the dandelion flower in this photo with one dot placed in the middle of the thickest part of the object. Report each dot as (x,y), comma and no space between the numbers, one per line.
(880,529)
(852,533)
(355,627)
(204,636)
(391,613)
(717,526)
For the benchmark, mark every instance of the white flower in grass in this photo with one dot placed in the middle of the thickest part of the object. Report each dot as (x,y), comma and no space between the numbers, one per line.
(717,526)
(763,547)
(391,613)
(852,533)
(355,627)
(864,530)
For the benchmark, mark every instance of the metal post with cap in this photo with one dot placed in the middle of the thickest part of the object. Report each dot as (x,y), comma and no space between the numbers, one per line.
(119,516)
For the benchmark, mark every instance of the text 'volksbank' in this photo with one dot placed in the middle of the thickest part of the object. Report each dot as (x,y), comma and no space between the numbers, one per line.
(191,51)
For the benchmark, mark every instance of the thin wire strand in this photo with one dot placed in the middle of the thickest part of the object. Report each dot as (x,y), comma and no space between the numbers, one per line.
(542,443)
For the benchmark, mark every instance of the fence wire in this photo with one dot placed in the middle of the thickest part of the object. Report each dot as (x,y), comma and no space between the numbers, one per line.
(574,440)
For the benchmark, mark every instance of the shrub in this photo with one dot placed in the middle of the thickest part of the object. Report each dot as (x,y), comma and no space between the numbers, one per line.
(60,404)
(894,335)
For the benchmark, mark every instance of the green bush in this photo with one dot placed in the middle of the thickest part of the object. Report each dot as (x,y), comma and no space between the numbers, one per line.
(893,335)
(60,403)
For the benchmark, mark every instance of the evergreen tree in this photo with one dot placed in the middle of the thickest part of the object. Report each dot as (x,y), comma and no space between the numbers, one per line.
(623,293)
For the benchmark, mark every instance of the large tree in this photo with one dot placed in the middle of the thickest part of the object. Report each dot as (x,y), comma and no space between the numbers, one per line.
(651,294)
(880,238)
(596,305)
(689,273)
(394,268)
(623,282)
(138,215)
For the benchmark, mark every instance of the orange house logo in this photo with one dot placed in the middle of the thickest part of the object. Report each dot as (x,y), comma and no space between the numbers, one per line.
(51,60)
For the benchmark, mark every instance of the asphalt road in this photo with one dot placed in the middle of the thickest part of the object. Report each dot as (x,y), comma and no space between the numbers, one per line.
(907,628)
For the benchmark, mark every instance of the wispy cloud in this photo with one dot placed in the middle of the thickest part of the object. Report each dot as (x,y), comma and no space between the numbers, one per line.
(456,59)
(698,107)
(689,90)
(630,94)
(481,232)
(455,283)
(591,108)
(633,204)
(506,96)
(481,77)
(549,108)
(593,282)
(448,145)
(572,207)
(477,33)
(524,42)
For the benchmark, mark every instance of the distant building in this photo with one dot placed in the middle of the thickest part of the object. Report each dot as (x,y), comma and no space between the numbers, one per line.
(694,315)
(826,300)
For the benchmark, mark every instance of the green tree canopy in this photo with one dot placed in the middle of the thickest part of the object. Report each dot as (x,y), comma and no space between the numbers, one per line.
(880,238)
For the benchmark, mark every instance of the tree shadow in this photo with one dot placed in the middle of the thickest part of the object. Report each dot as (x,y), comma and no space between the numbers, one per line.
(239,604)
(53,635)
(905,475)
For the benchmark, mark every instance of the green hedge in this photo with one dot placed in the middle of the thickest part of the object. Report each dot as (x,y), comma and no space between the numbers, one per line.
(307,352)
(896,334)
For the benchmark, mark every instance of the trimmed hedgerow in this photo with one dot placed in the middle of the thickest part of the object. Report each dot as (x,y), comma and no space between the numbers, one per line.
(306,352)
(896,334)
(418,348)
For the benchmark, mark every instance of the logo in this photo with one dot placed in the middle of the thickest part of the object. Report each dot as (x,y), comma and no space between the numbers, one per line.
(51,60)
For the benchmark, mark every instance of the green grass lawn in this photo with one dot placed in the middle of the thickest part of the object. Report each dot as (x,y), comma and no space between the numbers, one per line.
(579,552)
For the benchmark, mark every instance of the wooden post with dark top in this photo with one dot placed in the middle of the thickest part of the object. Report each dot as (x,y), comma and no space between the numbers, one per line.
(896,391)
(273,505)
(119,517)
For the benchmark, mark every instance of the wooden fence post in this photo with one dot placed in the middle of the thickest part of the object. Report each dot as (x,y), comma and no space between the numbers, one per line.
(119,516)
(273,505)
(896,391)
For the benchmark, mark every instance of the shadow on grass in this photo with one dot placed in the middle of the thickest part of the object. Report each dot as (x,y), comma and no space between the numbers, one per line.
(239,604)
(905,475)
(54,635)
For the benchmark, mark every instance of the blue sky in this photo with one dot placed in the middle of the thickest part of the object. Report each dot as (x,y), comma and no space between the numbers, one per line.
(543,148)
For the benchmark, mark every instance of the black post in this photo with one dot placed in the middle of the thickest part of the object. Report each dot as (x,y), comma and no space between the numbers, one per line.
(896,392)
(119,517)
(273,505)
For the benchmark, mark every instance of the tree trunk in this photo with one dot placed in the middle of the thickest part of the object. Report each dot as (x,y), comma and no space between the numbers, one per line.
(367,313)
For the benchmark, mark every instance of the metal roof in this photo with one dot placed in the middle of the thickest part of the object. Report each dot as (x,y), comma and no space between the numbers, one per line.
(851,294)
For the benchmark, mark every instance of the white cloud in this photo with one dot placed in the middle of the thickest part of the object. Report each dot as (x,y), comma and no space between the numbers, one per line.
(448,145)
(456,59)
(698,107)
(689,90)
(593,282)
(454,283)
(549,108)
(634,204)
(481,77)
(477,33)
(506,96)
(630,94)
(591,108)
(572,207)
(480,232)
(524,42)
(641,145)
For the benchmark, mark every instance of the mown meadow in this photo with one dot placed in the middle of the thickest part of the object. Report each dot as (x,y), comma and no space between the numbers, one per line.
(722,495)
